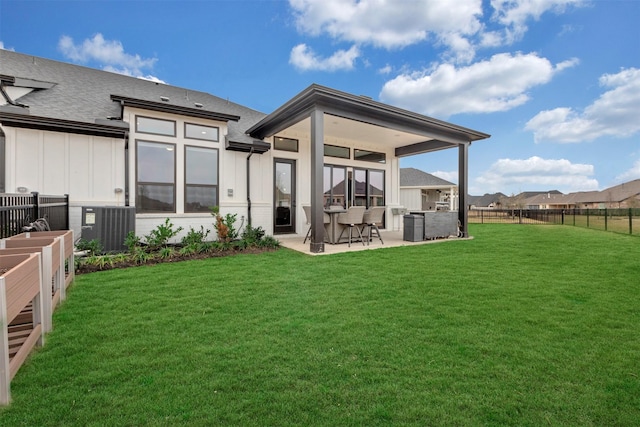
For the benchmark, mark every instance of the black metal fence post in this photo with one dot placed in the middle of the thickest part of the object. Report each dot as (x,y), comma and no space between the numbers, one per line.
(630,221)
(36,205)
(66,212)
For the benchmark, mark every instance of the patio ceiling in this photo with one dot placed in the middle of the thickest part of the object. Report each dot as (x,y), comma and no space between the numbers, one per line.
(358,118)
(337,129)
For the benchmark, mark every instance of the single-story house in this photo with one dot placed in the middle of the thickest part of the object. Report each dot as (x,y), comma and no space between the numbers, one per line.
(107,139)
(422,191)
(621,196)
(487,201)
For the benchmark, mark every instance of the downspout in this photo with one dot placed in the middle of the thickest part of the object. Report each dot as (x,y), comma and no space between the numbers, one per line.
(249,186)
(126,168)
(126,158)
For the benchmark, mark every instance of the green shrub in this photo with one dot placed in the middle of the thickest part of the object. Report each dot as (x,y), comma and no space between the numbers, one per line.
(166,252)
(92,246)
(225,226)
(160,236)
(252,235)
(194,236)
(132,241)
(269,242)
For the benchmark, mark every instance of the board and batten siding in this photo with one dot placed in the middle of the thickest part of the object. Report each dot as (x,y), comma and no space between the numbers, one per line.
(87,168)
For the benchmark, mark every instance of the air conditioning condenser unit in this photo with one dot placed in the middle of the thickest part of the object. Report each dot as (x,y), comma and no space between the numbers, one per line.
(109,225)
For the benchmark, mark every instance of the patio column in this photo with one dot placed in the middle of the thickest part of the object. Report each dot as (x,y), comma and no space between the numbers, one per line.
(317,187)
(463,165)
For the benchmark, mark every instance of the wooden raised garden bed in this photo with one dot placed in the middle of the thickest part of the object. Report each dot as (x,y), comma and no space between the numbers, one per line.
(67,250)
(20,295)
(52,269)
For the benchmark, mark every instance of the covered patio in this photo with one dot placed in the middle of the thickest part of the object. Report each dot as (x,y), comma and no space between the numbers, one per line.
(321,116)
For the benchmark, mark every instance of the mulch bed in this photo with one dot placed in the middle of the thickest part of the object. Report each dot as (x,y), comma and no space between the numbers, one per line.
(91,268)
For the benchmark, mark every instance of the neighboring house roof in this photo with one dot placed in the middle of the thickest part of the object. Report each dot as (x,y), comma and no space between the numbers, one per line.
(71,93)
(486,199)
(527,194)
(622,192)
(412,177)
(616,194)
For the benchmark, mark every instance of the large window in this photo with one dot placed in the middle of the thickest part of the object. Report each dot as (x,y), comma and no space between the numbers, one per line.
(155,176)
(335,189)
(206,133)
(155,126)
(201,179)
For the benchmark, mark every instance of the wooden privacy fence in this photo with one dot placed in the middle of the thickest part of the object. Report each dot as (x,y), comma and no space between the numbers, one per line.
(18,210)
(26,314)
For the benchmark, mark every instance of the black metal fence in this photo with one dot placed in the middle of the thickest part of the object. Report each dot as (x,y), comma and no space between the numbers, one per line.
(617,220)
(19,210)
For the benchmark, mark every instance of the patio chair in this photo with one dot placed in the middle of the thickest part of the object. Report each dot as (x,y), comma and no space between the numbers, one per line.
(351,219)
(372,217)
(307,213)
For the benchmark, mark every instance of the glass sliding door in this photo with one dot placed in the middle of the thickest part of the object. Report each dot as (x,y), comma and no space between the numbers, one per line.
(360,187)
(284,196)
(368,185)
(375,188)
(335,186)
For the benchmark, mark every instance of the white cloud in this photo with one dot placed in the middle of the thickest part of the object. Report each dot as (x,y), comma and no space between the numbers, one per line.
(536,174)
(614,113)
(109,54)
(456,25)
(514,14)
(386,24)
(451,176)
(6,48)
(387,69)
(631,174)
(498,84)
(304,58)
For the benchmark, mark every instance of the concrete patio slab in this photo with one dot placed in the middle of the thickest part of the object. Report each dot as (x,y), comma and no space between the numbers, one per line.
(391,239)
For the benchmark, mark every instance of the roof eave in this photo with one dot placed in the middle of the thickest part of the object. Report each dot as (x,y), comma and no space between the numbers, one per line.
(358,108)
(258,147)
(116,130)
(174,109)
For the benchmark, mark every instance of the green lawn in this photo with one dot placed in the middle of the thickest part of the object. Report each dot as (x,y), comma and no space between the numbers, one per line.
(523,325)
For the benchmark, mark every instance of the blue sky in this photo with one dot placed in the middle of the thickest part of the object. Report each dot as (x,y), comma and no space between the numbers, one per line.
(555,82)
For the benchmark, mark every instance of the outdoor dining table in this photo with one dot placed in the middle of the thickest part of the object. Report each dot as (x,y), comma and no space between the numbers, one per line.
(333,231)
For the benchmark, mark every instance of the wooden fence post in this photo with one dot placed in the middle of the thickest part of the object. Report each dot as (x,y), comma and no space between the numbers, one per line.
(5,372)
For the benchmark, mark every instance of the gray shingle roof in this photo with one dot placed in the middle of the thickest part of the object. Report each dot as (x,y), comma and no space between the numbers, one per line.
(411,177)
(616,194)
(84,94)
(486,199)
